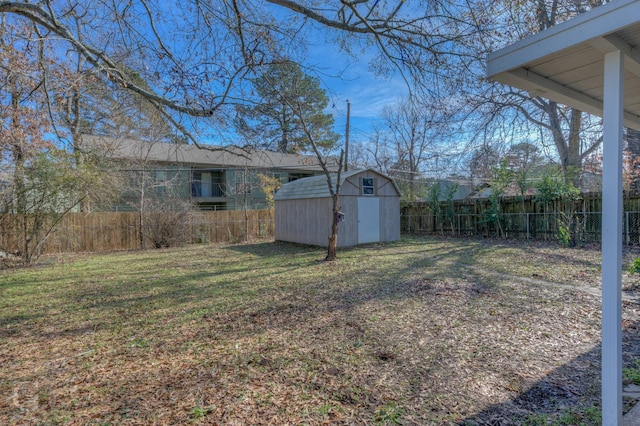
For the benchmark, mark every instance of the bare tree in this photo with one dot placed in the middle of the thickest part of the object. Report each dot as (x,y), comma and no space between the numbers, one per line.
(415,131)
(483,161)
(633,153)
(376,152)
(23,127)
(334,190)
(192,62)
(493,108)
(333,183)
(154,188)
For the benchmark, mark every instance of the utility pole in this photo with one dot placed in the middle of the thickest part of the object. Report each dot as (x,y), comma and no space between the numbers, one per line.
(346,138)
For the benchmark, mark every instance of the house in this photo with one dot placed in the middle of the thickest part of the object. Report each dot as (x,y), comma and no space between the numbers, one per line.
(453,189)
(213,178)
(369,202)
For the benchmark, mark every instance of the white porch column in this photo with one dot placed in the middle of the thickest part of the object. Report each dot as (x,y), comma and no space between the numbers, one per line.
(612,239)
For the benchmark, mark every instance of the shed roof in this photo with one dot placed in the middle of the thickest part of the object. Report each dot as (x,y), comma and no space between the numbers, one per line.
(132,149)
(565,62)
(317,187)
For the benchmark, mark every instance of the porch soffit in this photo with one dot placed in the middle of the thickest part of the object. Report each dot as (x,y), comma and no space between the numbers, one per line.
(566,63)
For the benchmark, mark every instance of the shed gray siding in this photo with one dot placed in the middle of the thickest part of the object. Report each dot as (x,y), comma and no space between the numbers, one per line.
(303,209)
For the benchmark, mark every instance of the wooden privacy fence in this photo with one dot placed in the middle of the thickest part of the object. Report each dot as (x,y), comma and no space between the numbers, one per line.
(522,217)
(99,232)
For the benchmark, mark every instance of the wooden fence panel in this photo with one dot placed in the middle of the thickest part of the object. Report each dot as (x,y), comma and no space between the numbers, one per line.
(521,217)
(113,231)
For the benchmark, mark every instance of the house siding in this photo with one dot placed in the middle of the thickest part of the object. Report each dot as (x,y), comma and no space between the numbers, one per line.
(156,182)
(184,160)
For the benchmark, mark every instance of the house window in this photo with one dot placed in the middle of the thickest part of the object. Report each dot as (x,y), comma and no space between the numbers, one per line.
(368,185)
(196,184)
(244,183)
(296,176)
(161,182)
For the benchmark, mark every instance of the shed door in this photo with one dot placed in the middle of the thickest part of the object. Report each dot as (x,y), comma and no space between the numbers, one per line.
(368,220)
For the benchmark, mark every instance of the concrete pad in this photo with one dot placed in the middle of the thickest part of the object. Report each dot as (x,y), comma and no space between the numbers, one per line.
(632,418)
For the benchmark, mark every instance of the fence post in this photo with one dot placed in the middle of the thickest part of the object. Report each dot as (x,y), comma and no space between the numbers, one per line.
(527,220)
(626,226)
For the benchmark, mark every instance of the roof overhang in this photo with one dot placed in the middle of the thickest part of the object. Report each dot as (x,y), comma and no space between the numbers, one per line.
(565,63)
(591,63)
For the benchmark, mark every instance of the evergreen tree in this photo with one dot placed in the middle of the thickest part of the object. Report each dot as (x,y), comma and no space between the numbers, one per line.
(287,97)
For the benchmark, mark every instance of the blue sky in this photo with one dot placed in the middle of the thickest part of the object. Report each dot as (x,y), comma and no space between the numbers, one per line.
(368,95)
(346,78)
(367,92)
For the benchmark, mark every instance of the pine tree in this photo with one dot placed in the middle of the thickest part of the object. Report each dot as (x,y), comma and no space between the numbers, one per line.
(286,97)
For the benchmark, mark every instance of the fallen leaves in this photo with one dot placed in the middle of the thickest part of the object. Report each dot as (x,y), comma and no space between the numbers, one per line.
(424,332)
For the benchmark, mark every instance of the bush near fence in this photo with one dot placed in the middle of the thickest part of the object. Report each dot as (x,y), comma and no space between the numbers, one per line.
(110,231)
(521,217)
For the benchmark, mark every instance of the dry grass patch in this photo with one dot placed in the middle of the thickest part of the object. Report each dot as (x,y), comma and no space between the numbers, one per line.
(416,332)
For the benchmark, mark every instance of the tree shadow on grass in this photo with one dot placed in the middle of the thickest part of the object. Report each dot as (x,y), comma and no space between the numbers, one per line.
(569,395)
(348,340)
(272,248)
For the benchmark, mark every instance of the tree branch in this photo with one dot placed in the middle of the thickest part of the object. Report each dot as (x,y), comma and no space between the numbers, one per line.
(95,57)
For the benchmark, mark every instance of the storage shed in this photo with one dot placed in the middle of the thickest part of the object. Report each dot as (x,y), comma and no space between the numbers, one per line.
(369,200)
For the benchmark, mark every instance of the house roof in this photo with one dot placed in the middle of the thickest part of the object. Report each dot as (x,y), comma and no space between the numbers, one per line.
(159,152)
(565,63)
(317,187)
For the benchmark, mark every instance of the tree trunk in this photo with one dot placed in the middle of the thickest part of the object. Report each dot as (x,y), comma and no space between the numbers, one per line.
(245,204)
(574,158)
(21,199)
(633,148)
(567,145)
(333,239)
(73,117)
(73,113)
(18,152)
(141,217)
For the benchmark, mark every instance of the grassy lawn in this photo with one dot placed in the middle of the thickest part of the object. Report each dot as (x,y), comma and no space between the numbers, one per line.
(422,331)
